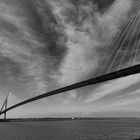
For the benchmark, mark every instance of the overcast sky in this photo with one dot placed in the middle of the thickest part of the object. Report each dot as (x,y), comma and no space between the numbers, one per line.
(48,44)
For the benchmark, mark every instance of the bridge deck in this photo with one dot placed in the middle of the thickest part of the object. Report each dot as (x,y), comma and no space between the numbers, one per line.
(103,78)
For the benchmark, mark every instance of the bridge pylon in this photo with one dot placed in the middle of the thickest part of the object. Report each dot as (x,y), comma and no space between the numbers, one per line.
(4,106)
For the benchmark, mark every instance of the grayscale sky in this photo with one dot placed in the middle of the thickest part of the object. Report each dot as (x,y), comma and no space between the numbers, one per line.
(48,44)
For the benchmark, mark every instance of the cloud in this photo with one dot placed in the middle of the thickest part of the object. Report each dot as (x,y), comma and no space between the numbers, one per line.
(28,48)
(112,87)
(47,49)
(87,44)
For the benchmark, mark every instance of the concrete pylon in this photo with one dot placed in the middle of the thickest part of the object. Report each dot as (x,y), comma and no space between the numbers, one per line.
(5,105)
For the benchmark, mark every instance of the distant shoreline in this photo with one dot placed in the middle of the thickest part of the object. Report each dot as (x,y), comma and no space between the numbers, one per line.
(60,119)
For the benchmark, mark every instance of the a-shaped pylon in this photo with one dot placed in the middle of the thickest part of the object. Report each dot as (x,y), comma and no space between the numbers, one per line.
(4,106)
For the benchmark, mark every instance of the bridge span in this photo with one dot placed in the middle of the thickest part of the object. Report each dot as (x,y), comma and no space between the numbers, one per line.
(111,76)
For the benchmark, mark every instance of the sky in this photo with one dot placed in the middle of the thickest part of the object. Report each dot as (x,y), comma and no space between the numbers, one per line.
(48,44)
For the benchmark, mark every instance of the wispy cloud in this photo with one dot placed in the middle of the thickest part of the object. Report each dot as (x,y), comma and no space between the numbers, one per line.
(113,87)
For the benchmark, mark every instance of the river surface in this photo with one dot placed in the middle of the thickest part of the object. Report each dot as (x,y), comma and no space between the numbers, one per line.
(102,129)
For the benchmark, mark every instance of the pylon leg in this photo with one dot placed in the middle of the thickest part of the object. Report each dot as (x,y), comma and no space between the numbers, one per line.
(5,115)
(5,109)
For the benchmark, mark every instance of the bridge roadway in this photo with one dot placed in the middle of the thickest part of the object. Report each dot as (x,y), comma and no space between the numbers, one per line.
(111,76)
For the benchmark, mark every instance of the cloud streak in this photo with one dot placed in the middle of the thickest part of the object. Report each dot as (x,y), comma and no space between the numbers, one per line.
(113,87)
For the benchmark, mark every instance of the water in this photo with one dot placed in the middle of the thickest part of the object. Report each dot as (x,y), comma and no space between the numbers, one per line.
(103,129)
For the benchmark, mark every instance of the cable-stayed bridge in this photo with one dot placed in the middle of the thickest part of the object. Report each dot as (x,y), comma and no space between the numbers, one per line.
(123,59)
(107,77)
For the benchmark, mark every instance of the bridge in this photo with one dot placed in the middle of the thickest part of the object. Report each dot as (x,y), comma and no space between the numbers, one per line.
(104,78)
(124,60)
